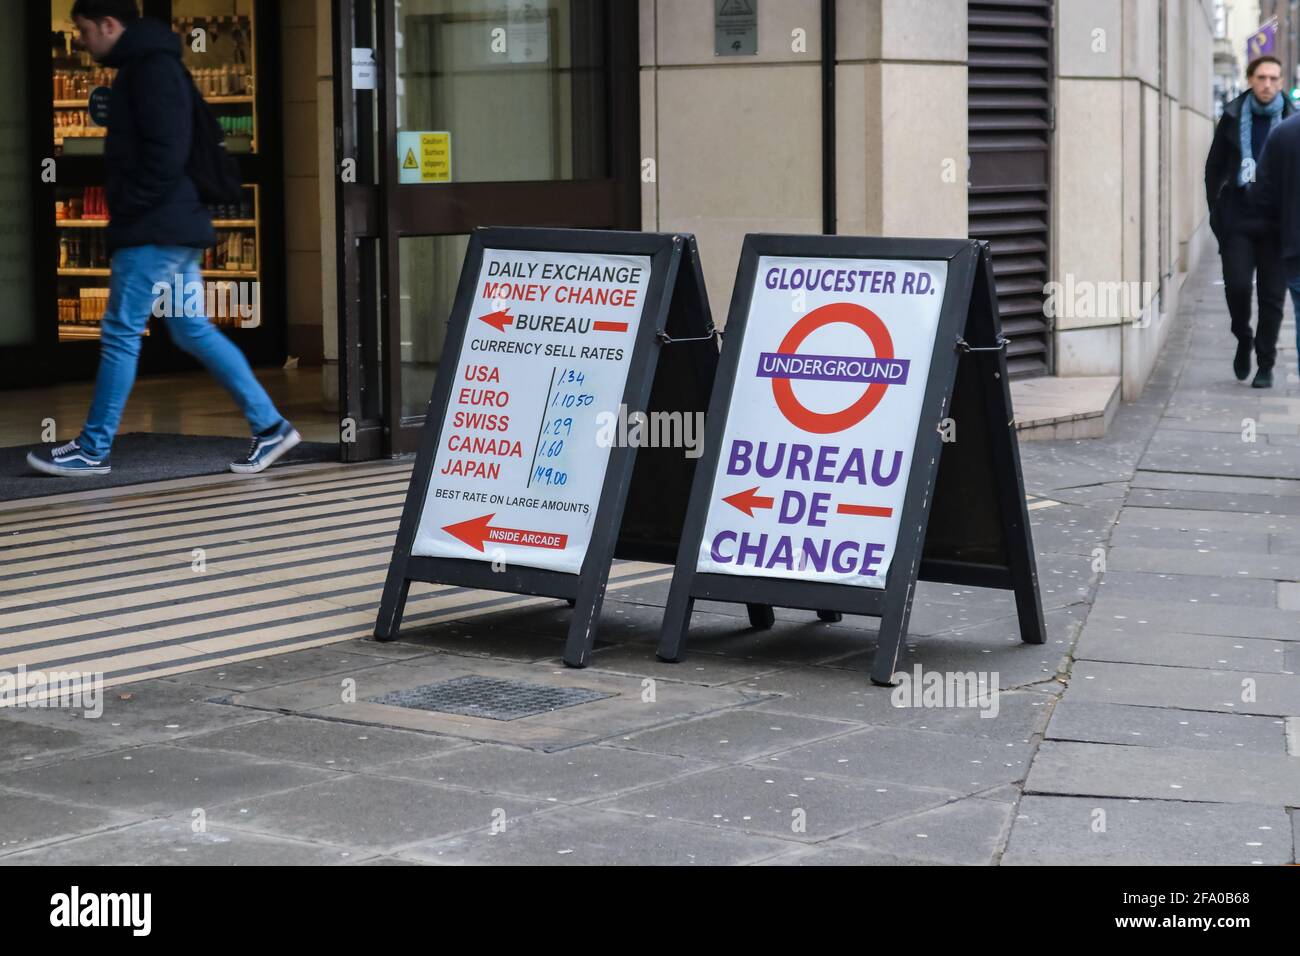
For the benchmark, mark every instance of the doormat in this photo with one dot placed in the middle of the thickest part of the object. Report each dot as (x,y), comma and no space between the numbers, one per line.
(141,457)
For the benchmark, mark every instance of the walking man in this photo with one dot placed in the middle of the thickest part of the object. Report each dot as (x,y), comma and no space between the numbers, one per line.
(1230,174)
(1275,204)
(157,228)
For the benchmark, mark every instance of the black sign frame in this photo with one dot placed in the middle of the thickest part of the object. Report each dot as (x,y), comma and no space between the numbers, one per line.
(675,321)
(969,351)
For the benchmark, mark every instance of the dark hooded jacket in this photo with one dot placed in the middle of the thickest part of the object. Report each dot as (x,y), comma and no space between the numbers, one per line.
(1227,200)
(1274,207)
(151,201)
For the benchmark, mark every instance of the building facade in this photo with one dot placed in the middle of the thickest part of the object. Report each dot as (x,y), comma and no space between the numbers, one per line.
(1069,134)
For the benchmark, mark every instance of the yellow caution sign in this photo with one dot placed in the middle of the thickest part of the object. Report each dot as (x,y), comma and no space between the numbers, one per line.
(426,156)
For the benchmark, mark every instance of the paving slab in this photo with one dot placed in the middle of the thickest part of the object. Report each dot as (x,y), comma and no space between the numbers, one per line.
(327,744)
(387,861)
(719,629)
(1138,516)
(792,805)
(173,842)
(1174,536)
(380,813)
(24,744)
(1100,722)
(969,832)
(1079,769)
(699,667)
(510,640)
(1233,484)
(265,671)
(1283,544)
(1106,642)
(1215,501)
(158,779)
(845,696)
(839,853)
(629,703)
(985,648)
(1229,565)
(1264,621)
(733,736)
(922,758)
(571,776)
(1224,691)
(1173,450)
(1192,589)
(26,820)
(577,836)
(148,712)
(1079,831)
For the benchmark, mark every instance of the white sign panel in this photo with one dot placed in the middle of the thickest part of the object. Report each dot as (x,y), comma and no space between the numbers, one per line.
(528,38)
(365,72)
(520,465)
(824,411)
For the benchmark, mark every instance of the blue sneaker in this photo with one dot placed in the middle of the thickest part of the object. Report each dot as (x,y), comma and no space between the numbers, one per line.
(67,459)
(266,449)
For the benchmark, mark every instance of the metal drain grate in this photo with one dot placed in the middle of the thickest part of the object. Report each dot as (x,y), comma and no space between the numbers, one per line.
(490,697)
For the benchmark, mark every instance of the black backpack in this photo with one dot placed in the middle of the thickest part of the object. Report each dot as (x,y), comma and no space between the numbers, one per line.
(214,172)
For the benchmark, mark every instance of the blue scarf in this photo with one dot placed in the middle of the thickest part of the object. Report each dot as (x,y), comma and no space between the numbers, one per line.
(1250,108)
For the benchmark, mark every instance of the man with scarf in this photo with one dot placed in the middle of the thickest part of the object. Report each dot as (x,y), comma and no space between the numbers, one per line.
(1247,253)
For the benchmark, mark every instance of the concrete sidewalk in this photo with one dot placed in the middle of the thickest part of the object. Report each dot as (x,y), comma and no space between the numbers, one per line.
(1164,739)
(1176,740)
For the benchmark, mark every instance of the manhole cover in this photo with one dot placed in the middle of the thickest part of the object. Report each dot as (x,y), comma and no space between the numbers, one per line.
(490,697)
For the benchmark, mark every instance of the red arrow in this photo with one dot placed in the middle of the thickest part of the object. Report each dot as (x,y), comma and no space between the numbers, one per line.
(747,501)
(865,511)
(476,531)
(498,320)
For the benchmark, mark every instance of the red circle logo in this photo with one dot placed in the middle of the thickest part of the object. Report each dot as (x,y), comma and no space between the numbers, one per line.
(823,423)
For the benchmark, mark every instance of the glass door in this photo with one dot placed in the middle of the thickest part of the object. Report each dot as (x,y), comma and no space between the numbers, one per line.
(487,112)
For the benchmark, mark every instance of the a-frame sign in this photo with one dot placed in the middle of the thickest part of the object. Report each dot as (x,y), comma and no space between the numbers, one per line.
(526,480)
(860,437)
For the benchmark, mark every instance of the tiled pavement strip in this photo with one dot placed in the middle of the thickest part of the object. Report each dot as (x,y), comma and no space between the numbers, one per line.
(1165,739)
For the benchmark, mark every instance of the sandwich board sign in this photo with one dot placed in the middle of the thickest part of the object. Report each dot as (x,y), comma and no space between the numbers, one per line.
(860,438)
(519,484)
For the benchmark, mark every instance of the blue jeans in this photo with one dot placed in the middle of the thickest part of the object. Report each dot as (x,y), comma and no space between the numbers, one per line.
(131,298)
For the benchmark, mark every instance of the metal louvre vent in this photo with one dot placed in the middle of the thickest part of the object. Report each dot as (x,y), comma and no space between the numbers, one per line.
(490,697)
(1010,124)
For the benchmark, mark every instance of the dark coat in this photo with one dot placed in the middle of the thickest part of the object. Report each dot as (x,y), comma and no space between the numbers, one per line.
(151,201)
(1224,197)
(1275,198)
